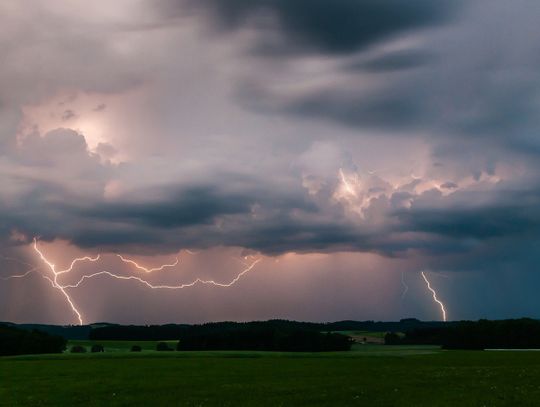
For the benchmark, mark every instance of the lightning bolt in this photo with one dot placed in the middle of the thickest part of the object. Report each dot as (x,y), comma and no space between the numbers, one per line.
(405,286)
(53,278)
(165,287)
(434,293)
(32,270)
(78,260)
(147,270)
(346,183)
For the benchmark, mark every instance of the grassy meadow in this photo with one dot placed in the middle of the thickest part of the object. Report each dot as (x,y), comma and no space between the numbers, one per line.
(372,375)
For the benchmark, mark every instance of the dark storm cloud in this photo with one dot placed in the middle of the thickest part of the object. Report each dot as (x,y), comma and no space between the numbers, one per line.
(394,61)
(468,78)
(204,216)
(451,82)
(491,232)
(337,26)
(407,129)
(393,108)
(117,238)
(242,210)
(386,109)
(486,222)
(191,206)
(289,29)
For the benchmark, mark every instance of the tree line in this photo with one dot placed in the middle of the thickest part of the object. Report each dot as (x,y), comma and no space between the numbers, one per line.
(264,339)
(274,335)
(173,331)
(521,333)
(104,330)
(14,341)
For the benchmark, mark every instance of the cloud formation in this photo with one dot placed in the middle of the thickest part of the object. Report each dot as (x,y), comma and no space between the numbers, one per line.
(407,130)
(344,26)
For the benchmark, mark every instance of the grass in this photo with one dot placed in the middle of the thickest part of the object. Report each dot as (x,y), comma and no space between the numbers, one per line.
(121,346)
(363,333)
(368,375)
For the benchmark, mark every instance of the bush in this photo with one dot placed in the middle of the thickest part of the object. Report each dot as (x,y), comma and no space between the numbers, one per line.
(97,348)
(163,346)
(136,348)
(15,341)
(78,349)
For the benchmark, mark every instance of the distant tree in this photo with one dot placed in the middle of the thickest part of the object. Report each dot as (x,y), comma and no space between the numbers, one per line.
(136,348)
(78,349)
(97,348)
(163,346)
(392,338)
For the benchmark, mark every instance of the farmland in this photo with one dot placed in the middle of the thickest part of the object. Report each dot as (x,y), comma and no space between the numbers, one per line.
(369,374)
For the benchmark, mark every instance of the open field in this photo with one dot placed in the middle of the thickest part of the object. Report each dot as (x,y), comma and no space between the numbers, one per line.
(369,375)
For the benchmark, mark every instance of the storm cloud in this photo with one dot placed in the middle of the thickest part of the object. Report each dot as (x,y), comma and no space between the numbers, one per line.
(343,26)
(403,130)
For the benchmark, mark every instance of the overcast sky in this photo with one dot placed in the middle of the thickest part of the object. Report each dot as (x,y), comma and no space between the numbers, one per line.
(343,145)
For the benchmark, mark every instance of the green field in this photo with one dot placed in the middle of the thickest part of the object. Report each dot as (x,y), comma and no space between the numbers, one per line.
(363,333)
(121,346)
(369,375)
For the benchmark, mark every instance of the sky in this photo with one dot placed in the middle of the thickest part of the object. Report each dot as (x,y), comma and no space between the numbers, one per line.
(257,159)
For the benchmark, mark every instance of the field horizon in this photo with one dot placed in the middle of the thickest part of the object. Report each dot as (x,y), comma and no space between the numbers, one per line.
(378,374)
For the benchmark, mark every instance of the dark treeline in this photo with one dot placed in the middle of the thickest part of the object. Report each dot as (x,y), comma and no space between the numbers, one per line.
(483,334)
(172,332)
(68,332)
(263,337)
(138,333)
(78,332)
(278,335)
(14,341)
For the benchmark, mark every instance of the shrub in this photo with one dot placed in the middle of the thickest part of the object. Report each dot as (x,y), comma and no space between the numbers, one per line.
(97,348)
(163,346)
(136,348)
(78,349)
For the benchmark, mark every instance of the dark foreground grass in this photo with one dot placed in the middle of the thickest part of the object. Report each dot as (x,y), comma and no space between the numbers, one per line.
(374,376)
